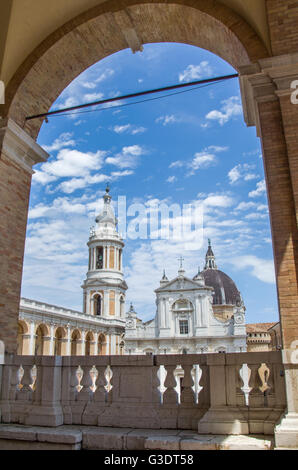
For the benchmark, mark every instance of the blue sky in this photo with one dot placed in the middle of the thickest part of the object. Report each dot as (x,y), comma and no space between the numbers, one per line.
(188,148)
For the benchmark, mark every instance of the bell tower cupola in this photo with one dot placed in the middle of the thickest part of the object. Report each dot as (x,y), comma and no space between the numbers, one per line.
(104,287)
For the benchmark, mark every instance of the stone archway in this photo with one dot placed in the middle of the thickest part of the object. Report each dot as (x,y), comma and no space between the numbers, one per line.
(75,343)
(42,340)
(23,338)
(266,78)
(89,344)
(60,342)
(112,26)
(101,344)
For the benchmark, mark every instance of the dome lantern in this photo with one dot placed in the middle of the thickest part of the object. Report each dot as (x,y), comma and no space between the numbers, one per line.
(210,258)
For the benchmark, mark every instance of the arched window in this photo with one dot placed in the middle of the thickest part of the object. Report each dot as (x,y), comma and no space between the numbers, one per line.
(40,335)
(58,346)
(89,344)
(101,344)
(97,305)
(99,257)
(75,341)
(22,330)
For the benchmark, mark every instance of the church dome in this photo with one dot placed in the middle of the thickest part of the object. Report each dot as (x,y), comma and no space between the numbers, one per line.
(225,290)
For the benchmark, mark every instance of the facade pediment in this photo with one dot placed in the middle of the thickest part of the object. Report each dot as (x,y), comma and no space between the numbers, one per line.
(181,283)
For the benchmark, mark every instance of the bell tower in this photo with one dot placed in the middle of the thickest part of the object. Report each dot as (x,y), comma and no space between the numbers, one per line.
(104,288)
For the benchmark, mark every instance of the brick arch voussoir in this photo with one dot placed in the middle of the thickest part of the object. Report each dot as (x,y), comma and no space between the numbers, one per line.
(95,34)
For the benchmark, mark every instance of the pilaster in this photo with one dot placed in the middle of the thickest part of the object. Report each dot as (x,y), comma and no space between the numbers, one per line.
(266,94)
(286,432)
(18,153)
(266,91)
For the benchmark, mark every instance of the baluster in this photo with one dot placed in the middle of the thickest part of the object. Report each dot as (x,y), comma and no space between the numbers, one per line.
(170,395)
(245,374)
(187,394)
(110,376)
(156,393)
(74,383)
(197,386)
(14,382)
(86,383)
(264,373)
(34,377)
(203,387)
(101,384)
(26,391)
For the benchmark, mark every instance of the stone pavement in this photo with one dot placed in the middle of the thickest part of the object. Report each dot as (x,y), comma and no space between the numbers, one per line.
(18,437)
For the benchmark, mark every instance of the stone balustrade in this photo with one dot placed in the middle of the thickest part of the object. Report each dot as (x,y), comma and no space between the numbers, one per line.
(241,393)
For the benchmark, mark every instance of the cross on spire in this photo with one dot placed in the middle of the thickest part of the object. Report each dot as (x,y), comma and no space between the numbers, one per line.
(180,259)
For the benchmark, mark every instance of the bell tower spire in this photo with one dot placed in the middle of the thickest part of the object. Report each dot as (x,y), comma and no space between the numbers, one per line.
(210,258)
(104,288)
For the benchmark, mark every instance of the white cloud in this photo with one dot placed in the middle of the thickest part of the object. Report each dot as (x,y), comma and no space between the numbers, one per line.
(234,174)
(167,119)
(129,128)
(205,158)
(218,200)
(243,206)
(89,85)
(201,160)
(59,205)
(256,216)
(127,158)
(42,177)
(260,189)
(73,163)
(262,269)
(121,129)
(90,97)
(195,72)
(171,179)
(64,140)
(177,164)
(73,184)
(230,108)
(241,171)
(138,130)
(104,75)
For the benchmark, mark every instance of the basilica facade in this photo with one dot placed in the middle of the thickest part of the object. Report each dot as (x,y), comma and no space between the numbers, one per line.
(193,315)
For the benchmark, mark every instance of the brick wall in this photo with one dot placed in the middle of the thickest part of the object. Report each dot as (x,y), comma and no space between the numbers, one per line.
(14,197)
(282,215)
(283,21)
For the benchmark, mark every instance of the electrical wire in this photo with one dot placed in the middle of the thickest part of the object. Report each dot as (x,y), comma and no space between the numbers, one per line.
(135,102)
(134,95)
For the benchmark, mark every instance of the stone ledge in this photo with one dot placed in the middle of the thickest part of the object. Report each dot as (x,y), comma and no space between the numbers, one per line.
(20,437)
(76,437)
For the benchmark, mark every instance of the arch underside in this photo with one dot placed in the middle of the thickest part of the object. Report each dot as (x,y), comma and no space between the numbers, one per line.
(102,31)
